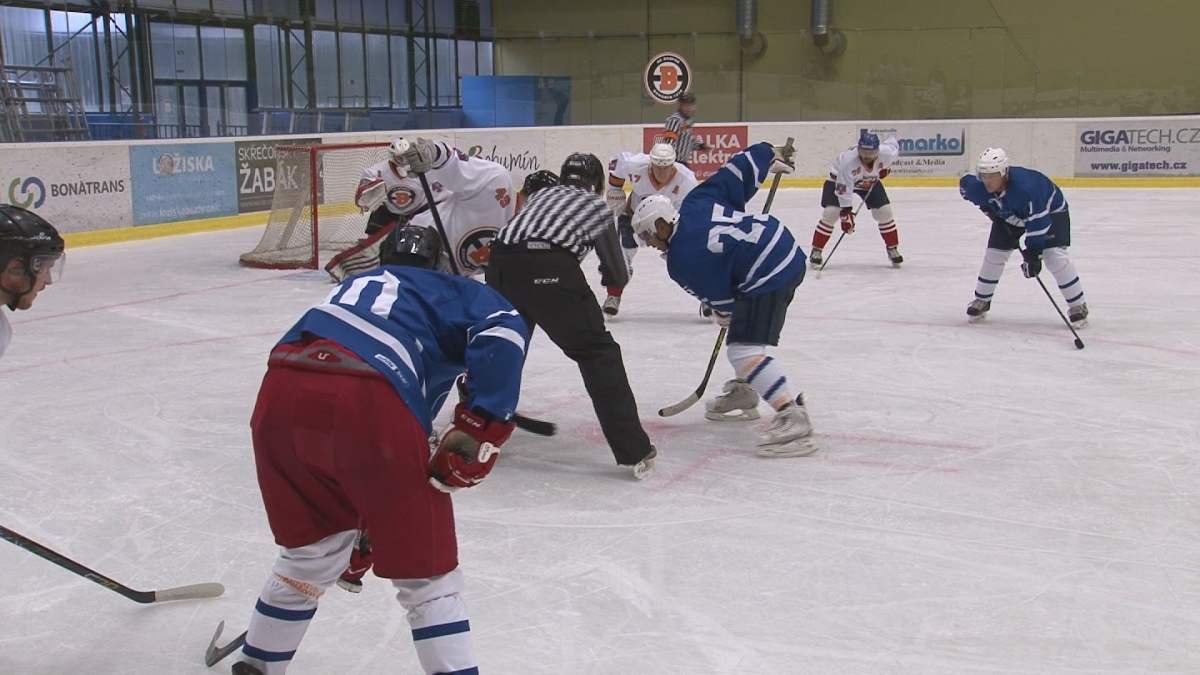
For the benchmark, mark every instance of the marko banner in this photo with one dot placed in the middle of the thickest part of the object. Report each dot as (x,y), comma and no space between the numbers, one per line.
(1137,148)
(182,181)
(926,150)
(78,188)
(723,142)
(257,172)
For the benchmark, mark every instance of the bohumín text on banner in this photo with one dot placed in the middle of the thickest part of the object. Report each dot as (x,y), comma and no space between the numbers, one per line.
(77,188)
(722,143)
(182,181)
(927,150)
(1161,147)
(257,172)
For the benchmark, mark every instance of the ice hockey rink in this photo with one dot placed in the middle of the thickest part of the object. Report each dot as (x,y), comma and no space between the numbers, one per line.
(986,498)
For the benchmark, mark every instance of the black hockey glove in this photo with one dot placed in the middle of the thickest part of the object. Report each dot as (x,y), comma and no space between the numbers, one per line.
(1033,262)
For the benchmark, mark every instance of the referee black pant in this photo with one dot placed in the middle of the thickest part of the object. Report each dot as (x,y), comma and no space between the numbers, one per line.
(545,284)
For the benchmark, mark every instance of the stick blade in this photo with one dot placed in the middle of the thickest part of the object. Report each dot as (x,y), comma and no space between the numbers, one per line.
(686,403)
(539,427)
(214,654)
(190,592)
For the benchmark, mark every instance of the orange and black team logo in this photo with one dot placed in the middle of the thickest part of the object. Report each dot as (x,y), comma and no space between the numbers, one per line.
(668,76)
(401,196)
(474,248)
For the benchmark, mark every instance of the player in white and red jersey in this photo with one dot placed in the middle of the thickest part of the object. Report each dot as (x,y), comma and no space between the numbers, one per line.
(858,171)
(482,199)
(656,173)
(474,199)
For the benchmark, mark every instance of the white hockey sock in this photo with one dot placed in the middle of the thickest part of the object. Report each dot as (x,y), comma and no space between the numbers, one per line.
(437,615)
(761,372)
(289,601)
(1065,276)
(989,273)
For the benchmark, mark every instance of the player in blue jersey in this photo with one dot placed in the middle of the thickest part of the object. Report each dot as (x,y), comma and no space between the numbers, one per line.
(341,438)
(1022,201)
(746,267)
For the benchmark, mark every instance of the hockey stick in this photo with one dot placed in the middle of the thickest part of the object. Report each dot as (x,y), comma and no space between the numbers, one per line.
(534,426)
(839,241)
(692,399)
(1017,245)
(214,654)
(190,592)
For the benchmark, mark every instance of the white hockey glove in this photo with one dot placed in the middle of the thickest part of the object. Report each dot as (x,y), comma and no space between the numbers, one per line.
(371,196)
(784,160)
(722,318)
(421,155)
(616,200)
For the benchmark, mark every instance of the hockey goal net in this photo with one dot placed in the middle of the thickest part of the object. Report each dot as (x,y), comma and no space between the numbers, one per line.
(313,209)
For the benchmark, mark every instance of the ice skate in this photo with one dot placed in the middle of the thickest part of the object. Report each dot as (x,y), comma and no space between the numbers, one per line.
(644,467)
(894,256)
(738,403)
(241,668)
(979,309)
(816,257)
(790,434)
(612,305)
(1078,316)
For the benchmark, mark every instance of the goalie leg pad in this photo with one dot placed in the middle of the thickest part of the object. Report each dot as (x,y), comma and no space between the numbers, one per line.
(361,257)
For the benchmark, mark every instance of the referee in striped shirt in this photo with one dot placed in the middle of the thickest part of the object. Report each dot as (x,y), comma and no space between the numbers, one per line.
(677,130)
(535,265)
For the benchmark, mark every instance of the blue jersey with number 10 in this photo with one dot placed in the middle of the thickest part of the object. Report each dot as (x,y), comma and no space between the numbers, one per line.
(719,253)
(420,329)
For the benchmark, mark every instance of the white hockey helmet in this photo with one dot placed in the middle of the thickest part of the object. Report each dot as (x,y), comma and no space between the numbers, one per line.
(649,211)
(662,155)
(992,160)
(396,151)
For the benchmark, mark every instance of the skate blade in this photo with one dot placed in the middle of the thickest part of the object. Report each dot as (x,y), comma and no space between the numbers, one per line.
(1078,325)
(737,416)
(976,319)
(801,447)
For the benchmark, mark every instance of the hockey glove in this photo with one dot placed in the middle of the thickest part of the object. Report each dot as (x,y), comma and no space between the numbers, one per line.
(616,200)
(1033,262)
(468,451)
(847,220)
(722,318)
(360,564)
(421,155)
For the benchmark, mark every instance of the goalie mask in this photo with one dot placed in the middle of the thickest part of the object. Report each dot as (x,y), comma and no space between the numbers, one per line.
(396,152)
(411,246)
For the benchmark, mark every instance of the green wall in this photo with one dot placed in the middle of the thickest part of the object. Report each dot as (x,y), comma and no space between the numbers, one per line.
(904,59)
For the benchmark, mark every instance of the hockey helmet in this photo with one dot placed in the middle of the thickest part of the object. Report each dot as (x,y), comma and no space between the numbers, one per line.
(584,170)
(27,237)
(649,211)
(687,97)
(396,153)
(538,180)
(992,160)
(662,154)
(868,141)
(411,246)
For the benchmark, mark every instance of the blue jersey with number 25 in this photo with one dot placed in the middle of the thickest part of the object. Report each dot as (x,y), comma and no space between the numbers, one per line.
(421,329)
(719,253)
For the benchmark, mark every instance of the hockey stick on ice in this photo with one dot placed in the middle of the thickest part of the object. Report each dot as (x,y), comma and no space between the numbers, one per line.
(1017,245)
(214,654)
(843,236)
(692,399)
(190,592)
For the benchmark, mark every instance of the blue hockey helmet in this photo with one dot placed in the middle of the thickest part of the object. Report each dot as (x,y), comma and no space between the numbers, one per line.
(868,141)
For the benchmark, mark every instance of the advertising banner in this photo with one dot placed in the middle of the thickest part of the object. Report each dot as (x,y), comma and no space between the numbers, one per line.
(927,150)
(78,188)
(723,142)
(1137,148)
(257,172)
(521,152)
(182,181)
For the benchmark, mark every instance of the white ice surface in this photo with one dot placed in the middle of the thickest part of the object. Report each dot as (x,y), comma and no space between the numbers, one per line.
(986,498)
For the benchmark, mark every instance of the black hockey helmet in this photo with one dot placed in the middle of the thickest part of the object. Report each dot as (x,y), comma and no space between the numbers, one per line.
(539,180)
(687,97)
(27,237)
(412,246)
(586,171)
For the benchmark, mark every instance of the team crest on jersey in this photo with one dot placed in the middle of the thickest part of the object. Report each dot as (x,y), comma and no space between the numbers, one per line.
(667,77)
(473,248)
(401,196)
